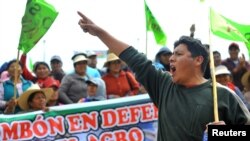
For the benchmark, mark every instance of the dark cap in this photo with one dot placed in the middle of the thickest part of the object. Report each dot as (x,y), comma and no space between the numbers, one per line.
(233,46)
(56,57)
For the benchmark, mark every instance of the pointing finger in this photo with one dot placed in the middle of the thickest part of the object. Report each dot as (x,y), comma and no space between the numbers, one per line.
(83,16)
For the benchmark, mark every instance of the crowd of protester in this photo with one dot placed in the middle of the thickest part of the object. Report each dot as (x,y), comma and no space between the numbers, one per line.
(49,85)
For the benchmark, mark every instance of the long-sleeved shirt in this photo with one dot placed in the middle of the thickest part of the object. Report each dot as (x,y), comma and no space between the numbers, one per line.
(183,112)
(42,82)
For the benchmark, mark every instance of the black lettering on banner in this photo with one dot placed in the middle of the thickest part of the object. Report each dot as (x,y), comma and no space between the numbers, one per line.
(226,132)
(34,9)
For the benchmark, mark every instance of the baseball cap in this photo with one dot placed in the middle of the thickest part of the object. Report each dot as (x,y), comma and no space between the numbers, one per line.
(233,46)
(91,53)
(56,57)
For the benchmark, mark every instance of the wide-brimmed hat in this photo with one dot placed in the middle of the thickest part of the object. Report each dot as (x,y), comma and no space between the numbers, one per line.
(245,79)
(79,57)
(221,69)
(111,57)
(23,99)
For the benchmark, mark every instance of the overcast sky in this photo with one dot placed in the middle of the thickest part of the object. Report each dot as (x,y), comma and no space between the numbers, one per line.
(125,19)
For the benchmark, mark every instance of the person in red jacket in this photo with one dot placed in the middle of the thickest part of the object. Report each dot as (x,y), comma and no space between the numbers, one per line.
(118,82)
(41,70)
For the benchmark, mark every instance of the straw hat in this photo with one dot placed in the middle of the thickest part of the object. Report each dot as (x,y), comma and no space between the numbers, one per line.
(245,79)
(111,57)
(23,99)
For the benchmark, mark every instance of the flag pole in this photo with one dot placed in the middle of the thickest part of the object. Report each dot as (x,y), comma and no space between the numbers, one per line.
(146,49)
(15,76)
(15,81)
(214,84)
(216,116)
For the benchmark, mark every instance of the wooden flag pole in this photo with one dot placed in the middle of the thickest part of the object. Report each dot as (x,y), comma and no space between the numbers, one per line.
(214,83)
(12,110)
(215,100)
(15,76)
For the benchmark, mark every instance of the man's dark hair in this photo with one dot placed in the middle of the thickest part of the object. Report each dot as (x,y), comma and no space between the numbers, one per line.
(196,48)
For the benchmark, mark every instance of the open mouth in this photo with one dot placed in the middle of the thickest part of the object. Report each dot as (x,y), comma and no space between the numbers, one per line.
(172,69)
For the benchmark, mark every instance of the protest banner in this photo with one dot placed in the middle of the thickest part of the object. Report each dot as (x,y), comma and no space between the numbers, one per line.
(131,118)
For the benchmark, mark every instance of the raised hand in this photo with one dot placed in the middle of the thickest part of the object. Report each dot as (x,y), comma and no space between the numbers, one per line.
(116,46)
(87,25)
(242,61)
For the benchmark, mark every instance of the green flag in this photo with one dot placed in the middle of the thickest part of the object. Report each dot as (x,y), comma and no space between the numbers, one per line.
(228,29)
(37,19)
(152,25)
